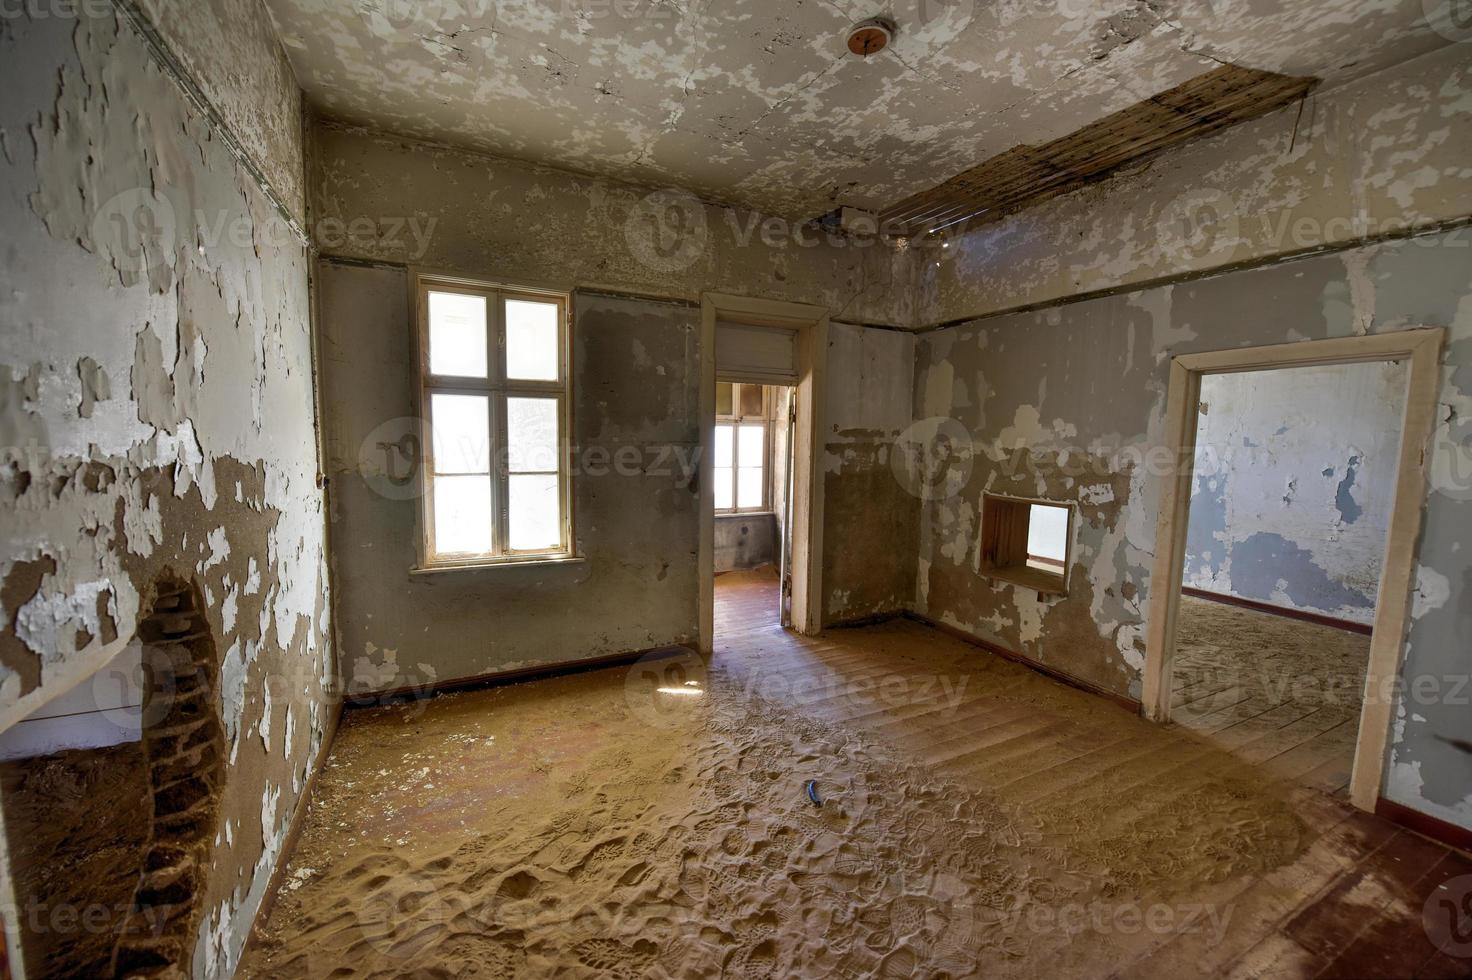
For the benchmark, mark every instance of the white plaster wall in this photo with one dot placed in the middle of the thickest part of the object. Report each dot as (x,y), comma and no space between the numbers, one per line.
(1295,471)
(229,49)
(156,415)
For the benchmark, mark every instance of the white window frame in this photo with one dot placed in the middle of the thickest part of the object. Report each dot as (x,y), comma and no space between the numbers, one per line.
(498,388)
(736,420)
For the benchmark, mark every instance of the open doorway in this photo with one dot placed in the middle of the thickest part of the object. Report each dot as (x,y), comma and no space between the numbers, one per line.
(1290,508)
(763,365)
(752,504)
(1419,349)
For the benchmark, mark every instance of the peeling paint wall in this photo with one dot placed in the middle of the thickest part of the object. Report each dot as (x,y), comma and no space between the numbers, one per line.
(745,541)
(870,513)
(635,390)
(230,50)
(1068,402)
(1295,471)
(1380,154)
(389,199)
(156,414)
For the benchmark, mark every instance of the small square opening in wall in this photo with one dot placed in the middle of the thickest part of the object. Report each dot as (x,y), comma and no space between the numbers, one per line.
(1026,542)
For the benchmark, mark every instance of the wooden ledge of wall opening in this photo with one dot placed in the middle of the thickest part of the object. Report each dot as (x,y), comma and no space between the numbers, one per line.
(1004,527)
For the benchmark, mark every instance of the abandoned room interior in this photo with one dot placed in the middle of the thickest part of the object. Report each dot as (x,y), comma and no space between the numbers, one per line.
(913,488)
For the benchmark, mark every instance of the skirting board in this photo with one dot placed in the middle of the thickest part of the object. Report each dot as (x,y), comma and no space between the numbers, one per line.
(1427,826)
(1318,619)
(1129,704)
(374,699)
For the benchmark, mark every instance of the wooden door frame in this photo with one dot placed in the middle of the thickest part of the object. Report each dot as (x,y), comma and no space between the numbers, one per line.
(1422,348)
(811,324)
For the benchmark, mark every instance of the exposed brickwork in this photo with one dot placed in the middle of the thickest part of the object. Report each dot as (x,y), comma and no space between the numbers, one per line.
(185,747)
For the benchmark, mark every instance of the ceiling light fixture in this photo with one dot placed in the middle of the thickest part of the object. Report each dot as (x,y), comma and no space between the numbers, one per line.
(870,36)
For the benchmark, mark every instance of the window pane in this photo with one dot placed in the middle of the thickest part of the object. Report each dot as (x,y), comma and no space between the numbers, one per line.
(462,433)
(531,435)
(723,488)
(724,398)
(723,445)
(462,514)
(749,452)
(1047,532)
(751,401)
(531,340)
(536,513)
(457,334)
(749,486)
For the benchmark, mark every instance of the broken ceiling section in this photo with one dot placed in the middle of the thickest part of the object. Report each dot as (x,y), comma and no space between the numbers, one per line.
(1026,175)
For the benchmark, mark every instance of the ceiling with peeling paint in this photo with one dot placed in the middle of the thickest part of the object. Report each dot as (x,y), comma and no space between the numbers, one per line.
(758,103)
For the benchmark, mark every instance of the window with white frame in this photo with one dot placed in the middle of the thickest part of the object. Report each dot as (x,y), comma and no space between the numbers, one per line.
(743,447)
(494,396)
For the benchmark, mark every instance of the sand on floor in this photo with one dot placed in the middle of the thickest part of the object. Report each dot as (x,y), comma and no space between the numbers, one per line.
(599,825)
(1269,659)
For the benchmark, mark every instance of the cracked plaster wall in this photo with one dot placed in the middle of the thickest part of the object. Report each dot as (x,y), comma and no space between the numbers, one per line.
(1067,403)
(230,50)
(156,413)
(1295,471)
(390,199)
(1382,153)
(634,391)
(870,517)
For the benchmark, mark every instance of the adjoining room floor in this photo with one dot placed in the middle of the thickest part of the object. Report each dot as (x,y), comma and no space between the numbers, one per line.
(1279,692)
(976,818)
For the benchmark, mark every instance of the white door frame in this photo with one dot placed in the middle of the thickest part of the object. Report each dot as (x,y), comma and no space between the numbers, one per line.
(1422,347)
(811,324)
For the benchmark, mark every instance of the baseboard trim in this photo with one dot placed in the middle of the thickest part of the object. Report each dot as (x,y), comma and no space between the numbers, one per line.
(868,619)
(1127,703)
(373,699)
(1424,824)
(1318,619)
(293,833)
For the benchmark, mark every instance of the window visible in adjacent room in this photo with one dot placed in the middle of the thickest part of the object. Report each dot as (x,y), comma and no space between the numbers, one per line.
(1026,542)
(494,397)
(743,447)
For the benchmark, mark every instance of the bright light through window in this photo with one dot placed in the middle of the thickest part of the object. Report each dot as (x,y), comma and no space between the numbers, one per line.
(1047,533)
(495,394)
(457,335)
(531,340)
(741,447)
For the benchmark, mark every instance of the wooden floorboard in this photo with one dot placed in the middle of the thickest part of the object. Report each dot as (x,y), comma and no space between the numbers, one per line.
(1349,905)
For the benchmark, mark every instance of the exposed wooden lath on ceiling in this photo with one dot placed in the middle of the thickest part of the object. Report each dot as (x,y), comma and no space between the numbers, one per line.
(1025,175)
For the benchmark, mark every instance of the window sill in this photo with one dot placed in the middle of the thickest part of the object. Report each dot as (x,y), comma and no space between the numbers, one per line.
(499,563)
(1029,577)
(745,513)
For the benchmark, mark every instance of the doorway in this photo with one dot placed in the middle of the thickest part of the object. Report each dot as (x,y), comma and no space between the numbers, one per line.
(1290,507)
(1420,350)
(763,364)
(752,499)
